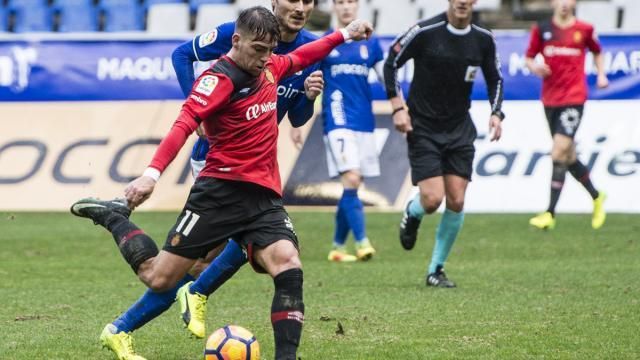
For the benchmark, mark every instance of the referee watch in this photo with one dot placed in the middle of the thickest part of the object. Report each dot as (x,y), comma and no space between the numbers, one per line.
(499,114)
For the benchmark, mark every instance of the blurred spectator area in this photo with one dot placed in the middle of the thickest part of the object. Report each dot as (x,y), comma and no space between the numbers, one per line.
(184,16)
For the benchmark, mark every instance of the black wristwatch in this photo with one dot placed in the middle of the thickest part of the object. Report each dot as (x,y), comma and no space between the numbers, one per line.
(499,114)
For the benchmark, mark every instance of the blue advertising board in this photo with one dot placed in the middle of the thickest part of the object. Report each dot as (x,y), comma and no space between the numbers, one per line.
(141,69)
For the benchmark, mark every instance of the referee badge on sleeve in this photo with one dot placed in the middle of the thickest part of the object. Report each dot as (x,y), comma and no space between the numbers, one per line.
(470,76)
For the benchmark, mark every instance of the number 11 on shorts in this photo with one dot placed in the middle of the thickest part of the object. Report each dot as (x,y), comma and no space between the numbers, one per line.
(194,219)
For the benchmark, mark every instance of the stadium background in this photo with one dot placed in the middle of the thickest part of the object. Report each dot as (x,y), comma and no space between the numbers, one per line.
(81,111)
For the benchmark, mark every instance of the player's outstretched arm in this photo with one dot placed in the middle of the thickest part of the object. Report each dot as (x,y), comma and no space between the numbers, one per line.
(317,50)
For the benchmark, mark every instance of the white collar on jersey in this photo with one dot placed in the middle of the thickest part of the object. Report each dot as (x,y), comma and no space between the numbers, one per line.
(456,31)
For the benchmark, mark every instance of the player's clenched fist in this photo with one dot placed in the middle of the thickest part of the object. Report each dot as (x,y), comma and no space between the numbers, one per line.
(402,121)
(359,29)
(139,190)
(313,85)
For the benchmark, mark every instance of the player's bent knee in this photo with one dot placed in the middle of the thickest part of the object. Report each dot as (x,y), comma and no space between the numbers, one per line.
(431,203)
(286,260)
(456,205)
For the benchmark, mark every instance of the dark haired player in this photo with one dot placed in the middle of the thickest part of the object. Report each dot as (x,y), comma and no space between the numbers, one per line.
(238,193)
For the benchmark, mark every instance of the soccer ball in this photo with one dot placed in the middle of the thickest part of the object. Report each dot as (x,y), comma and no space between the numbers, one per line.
(232,343)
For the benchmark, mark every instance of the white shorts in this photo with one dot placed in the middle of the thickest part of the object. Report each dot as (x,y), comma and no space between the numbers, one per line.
(352,150)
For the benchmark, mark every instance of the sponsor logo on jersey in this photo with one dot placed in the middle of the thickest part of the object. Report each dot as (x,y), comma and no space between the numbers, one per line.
(269,76)
(349,69)
(472,71)
(337,108)
(208,38)
(199,100)
(254,111)
(207,84)
(364,52)
(288,91)
(561,51)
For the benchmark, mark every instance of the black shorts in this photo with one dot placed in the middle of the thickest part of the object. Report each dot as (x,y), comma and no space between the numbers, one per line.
(564,120)
(440,153)
(217,210)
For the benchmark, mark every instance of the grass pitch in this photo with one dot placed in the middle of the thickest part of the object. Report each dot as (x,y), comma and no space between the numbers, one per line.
(572,293)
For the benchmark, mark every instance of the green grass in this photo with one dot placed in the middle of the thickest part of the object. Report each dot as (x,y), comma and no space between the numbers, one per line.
(573,293)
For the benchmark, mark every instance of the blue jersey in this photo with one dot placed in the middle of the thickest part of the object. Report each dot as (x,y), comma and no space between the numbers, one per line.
(212,45)
(346,100)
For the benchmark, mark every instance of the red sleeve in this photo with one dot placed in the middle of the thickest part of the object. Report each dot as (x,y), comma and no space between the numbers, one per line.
(535,43)
(593,43)
(307,54)
(210,93)
(173,142)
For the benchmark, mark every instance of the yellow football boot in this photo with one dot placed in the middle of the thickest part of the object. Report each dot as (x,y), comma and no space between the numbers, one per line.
(544,221)
(340,254)
(364,250)
(599,215)
(120,343)
(192,308)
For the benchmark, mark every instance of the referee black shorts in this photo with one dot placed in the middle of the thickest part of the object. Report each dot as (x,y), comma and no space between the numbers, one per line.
(564,120)
(438,153)
(217,210)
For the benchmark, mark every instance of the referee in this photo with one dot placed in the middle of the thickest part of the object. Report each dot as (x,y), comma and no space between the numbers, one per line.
(448,50)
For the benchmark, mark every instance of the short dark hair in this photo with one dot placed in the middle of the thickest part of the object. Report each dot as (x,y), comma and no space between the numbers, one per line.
(260,22)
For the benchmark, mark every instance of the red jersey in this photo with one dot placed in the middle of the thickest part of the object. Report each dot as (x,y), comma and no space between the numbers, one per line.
(564,51)
(239,116)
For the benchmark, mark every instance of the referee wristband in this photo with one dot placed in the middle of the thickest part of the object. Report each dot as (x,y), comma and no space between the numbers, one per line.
(152,173)
(396,110)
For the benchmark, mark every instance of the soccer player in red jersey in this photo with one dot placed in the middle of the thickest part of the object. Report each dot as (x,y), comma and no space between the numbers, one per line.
(563,41)
(238,193)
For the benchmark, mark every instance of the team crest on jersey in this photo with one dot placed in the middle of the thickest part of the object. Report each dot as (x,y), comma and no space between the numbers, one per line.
(547,35)
(208,38)
(364,52)
(470,76)
(334,53)
(207,84)
(577,37)
(269,76)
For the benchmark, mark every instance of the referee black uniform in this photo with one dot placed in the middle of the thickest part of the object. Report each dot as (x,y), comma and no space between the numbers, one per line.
(446,62)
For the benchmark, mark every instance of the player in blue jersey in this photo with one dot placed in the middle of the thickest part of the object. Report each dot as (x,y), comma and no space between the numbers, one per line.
(295,98)
(349,130)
